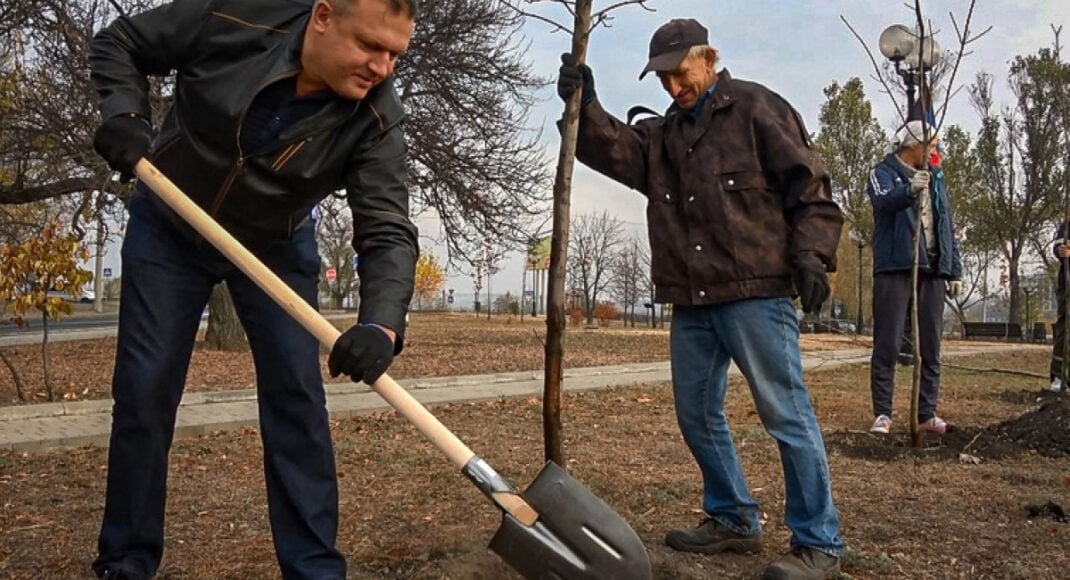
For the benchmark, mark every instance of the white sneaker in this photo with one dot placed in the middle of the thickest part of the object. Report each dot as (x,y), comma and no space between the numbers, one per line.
(1056,385)
(883,424)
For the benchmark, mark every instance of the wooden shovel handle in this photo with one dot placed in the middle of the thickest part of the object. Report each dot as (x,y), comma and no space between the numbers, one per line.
(315,323)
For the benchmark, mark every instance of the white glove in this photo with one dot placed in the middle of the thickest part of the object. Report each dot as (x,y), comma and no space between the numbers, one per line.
(919,183)
(954,288)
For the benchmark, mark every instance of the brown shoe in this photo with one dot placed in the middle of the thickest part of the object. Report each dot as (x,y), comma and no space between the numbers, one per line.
(710,537)
(803,563)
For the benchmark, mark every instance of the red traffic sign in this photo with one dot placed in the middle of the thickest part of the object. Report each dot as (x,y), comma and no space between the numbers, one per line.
(331,274)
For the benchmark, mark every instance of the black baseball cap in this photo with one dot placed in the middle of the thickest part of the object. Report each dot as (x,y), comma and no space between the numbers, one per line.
(671,43)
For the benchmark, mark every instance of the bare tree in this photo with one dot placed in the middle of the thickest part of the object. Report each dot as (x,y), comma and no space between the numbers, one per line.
(468,89)
(593,249)
(628,276)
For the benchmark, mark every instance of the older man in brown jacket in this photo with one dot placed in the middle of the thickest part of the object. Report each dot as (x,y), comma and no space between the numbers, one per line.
(741,220)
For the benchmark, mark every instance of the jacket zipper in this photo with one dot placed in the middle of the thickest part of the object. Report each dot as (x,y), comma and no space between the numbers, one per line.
(235,171)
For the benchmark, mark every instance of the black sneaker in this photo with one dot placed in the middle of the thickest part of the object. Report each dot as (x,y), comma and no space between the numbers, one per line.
(710,537)
(803,563)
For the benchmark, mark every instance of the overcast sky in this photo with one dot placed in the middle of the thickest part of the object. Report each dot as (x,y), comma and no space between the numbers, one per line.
(795,47)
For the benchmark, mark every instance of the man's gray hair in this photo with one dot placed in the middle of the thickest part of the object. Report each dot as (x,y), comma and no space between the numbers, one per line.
(409,7)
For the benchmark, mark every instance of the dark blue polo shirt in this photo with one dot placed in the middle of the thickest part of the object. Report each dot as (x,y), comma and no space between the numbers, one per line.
(275,108)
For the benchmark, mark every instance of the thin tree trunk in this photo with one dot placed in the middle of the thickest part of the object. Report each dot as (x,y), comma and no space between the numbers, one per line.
(225,331)
(98,277)
(555,308)
(44,357)
(915,386)
(20,387)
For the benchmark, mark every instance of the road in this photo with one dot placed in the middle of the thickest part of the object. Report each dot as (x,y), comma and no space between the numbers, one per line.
(82,322)
(84,326)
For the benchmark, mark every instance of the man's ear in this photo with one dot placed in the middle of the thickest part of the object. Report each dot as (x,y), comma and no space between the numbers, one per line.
(712,57)
(321,14)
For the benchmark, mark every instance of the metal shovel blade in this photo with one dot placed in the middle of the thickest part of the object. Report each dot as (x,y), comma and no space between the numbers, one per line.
(577,536)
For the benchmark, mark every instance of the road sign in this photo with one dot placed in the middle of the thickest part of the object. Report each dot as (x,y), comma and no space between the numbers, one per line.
(331,274)
(107,272)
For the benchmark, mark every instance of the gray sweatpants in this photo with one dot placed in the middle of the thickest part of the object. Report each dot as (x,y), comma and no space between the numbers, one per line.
(891,295)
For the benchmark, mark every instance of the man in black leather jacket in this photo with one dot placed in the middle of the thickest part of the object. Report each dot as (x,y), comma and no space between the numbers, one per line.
(277,103)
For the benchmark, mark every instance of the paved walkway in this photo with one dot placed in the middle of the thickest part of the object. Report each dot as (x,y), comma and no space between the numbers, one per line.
(72,424)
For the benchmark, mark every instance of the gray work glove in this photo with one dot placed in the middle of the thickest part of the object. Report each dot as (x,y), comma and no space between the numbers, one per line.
(919,183)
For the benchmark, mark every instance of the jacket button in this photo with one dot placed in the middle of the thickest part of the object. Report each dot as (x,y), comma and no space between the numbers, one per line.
(701,293)
(731,182)
(698,248)
(668,197)
(691,199)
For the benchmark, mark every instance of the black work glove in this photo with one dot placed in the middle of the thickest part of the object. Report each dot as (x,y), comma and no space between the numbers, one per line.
(122,141)
(572,77)
(363,352)
(811,281)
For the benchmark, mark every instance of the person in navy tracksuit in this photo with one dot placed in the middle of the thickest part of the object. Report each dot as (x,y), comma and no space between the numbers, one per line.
(904,188)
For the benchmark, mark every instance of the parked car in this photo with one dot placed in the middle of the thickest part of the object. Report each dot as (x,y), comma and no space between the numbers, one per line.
(87,296)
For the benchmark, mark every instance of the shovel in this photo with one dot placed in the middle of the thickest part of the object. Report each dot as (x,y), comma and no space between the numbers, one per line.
(556,530)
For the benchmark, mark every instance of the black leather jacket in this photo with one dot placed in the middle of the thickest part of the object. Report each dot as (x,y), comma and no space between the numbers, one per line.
(223,53)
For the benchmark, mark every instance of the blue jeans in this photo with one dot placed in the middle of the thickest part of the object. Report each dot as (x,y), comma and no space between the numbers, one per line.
(762,337)
(168,275)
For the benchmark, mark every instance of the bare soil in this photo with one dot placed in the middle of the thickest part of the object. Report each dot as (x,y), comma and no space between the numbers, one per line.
(407,513)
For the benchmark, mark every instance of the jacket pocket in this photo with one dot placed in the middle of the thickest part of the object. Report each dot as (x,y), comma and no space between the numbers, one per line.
(743,180)
(759,231)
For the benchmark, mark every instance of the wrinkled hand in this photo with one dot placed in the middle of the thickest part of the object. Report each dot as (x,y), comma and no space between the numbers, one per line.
(363,352)
(811,282)
(573,77)
(954,288)
(919,183)
(122,141)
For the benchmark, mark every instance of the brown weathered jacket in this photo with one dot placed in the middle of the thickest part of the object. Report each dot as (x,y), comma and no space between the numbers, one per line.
(733,197)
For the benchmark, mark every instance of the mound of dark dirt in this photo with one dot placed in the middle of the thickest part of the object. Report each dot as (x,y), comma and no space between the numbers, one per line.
(1045,430)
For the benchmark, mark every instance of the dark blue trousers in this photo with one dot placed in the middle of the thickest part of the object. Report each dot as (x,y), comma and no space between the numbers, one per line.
(168,275)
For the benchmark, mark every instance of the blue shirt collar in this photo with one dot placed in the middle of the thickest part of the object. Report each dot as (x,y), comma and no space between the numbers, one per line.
(702,101)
